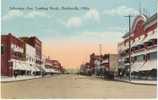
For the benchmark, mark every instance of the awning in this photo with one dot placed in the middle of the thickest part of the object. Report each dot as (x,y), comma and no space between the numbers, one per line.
(105,61)
(19,65)
(151,50)
(149,65)
(138,42)
(138,53)
(16,66)
(36,68)
(47,70)
(41,68)
(55,71)
(136,66)
(150,36)
(32,68)
(25,66)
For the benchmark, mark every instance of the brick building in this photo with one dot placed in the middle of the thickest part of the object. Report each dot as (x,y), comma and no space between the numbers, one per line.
(12,52)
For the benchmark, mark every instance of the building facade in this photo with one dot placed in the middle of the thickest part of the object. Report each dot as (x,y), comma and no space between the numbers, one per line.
(143,40)
(18,57)
(12,54)
(23,56)
(30,55)
(37,44)
(86,69)
(100,65)
(57,66)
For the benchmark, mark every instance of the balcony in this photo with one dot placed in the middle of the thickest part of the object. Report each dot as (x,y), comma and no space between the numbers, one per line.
(139,48)
(152,43)
(18,56)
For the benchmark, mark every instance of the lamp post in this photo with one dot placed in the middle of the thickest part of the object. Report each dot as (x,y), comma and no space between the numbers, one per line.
(129,22)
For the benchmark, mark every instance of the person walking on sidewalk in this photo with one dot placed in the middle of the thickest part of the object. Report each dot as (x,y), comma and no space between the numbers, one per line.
(15,74)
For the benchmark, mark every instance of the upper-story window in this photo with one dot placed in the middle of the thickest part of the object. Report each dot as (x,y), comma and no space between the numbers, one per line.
(2,49)
(16,48)
(151,42)
(140,58)
(154,41)
(140,47)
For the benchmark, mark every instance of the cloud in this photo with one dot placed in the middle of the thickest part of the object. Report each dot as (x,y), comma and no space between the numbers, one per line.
(92,14)
(74,22)
(17,13)
(121,11)
(100,34)
(11,14)
(34,14)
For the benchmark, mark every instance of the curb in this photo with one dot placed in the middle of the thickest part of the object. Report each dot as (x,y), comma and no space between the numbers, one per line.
(135,82)
(24,79)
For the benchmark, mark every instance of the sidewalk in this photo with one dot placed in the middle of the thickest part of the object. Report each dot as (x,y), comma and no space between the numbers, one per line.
(143,82)
(18,78)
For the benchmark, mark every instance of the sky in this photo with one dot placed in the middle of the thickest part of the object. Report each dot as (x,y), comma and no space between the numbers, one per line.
(70,36)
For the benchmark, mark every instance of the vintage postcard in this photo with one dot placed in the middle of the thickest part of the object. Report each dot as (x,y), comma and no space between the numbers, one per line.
(78,49)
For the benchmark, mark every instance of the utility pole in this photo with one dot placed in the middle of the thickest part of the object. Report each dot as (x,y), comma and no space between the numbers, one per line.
(140,7)
(129,22)
(100,49)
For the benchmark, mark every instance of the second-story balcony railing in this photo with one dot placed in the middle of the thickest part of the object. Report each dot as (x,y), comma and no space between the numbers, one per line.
(138,48)
(151,43)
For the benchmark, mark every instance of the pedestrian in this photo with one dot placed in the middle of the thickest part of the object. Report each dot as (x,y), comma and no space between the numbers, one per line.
(15,74)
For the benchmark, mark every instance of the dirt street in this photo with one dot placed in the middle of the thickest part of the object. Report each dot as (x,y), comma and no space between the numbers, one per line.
(75,86)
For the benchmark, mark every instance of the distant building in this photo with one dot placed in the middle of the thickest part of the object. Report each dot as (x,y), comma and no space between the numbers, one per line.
(106,64)
(85,69)
(57,66)
(52,66)
(143,49)
(110,62)
(100,65)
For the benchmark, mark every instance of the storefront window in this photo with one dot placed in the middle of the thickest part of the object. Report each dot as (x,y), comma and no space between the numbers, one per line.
(140,58)
(149,43)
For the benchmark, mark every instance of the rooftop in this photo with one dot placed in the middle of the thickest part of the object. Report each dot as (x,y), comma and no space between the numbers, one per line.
(152,18)
(126,35)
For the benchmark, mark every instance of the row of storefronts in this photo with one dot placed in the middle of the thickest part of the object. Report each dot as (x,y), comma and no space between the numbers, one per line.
(23,56)
(143,52)
(137,61)
(100,65)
